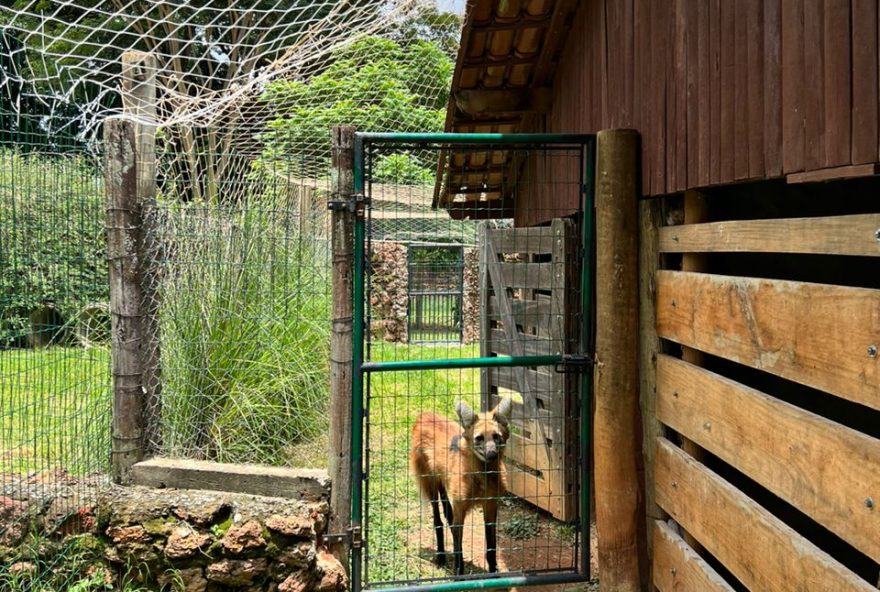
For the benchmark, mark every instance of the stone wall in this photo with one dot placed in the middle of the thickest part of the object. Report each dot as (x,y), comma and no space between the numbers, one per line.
(194,541)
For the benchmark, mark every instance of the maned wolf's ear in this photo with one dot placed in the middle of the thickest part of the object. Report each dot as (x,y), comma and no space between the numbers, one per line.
(466,415)
(501,414)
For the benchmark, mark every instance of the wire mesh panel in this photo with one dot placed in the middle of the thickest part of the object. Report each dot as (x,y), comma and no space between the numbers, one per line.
(242,301)
(55,398)
(475,449)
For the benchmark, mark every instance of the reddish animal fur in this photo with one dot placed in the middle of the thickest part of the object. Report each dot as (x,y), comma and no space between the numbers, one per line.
(460,466)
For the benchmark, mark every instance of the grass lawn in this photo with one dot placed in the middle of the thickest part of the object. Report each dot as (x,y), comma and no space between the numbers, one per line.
(55,409)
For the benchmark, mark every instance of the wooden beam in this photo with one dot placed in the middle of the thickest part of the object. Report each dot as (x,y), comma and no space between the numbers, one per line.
(758,548)
(489,103)
(822,336)
(312,485)
(650,221)
(678,568)
(616,446)
(834,173)
(831,235)
(342,245)
(782,447)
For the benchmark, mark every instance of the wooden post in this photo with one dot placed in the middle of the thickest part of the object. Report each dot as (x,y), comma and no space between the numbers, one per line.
(139,105)
(695,211)
(620,518)
(342,240)
(130,180)
(650,221)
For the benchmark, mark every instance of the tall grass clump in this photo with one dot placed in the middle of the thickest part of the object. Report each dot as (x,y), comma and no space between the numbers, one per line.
(244,308)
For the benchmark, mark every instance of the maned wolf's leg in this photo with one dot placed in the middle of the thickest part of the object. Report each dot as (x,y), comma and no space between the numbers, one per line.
(490,519)
(440,555)
(447,507)
(457,532)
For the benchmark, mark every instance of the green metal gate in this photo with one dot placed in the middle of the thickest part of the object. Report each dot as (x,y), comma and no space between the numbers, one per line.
(512,401)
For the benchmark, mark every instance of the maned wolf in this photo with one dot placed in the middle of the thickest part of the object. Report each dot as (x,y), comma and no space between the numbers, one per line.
(459,465)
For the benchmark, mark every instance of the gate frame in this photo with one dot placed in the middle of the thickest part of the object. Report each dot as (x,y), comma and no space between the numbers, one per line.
(360,368)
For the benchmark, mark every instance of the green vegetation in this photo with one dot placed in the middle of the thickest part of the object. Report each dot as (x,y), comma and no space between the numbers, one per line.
(244,325)
(52,238)
(55,406)
(376,84)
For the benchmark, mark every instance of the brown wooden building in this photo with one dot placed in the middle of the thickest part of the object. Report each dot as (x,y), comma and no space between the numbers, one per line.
(759,233)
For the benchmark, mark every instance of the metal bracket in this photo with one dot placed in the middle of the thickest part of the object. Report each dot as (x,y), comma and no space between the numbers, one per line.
(351,537)
(574,363)
(338,205)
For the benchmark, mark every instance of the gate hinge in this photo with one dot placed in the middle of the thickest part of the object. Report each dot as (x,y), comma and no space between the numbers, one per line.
(574,363)
(351,537)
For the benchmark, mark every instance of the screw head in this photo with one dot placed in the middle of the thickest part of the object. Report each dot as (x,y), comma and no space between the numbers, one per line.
(877,234)
(869,503)
(675,485)
(707,426)
(672,570)
(872,351)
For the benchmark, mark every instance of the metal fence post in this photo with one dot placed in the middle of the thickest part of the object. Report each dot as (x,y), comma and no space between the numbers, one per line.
(342,221)
(130,180)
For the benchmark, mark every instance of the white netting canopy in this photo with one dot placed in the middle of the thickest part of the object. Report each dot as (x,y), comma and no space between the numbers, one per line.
(215,57)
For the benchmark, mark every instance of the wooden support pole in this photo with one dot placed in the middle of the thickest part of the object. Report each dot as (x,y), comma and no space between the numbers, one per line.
(620,518)
(130,181)
(342,240)
(139,106)
(650,221)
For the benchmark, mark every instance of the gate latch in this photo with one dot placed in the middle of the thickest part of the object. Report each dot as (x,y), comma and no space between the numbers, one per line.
(354,204)
(574,363)
(351,537)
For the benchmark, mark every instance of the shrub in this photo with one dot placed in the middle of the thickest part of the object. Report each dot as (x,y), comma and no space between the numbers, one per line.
(244,322)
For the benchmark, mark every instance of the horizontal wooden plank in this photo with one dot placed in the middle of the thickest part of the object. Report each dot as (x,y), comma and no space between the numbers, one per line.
(678,568)
(303,484)
(833,235)
(811,462)
(815,334)
(531,345)
(529,313)
(533,240)
(535,276)
(834,173)
(542,383)
(758,548)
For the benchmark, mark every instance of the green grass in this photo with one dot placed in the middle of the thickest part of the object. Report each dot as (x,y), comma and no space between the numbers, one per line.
(55,410)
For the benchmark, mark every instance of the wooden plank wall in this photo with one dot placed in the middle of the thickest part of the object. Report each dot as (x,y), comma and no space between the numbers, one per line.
(725,90)
(777,486)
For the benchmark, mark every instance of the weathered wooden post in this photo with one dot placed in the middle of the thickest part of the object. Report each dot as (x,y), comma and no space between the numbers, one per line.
(342,240)
(130,181)
(617,441)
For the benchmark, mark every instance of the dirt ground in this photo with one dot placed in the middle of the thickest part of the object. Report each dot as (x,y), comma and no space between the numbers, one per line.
(528,540)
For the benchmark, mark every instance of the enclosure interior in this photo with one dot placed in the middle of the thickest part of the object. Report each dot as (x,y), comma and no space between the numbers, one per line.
(496,271)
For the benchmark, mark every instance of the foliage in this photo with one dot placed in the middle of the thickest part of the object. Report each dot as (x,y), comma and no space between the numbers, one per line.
(521,526)
(375,84)
(440,28)
(52,238)
(244,324)
(401,169)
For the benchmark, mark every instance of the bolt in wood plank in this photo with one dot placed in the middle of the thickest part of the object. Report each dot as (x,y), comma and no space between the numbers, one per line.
(678,568)
(819,335)
(758,548)
(822,468)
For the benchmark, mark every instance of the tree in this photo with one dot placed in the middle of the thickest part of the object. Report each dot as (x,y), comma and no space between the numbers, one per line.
(376,84)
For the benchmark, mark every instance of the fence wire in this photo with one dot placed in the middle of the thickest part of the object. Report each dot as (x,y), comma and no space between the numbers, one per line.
(55,397)
(242,301)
